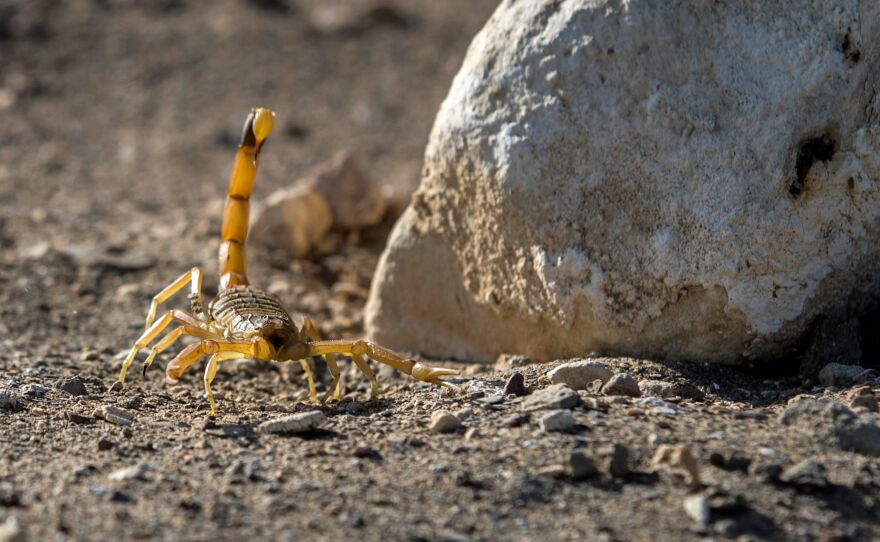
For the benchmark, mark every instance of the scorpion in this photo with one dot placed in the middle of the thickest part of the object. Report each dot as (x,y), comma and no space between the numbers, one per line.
(243,321)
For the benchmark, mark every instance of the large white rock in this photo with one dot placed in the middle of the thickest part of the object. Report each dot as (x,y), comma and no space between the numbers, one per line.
(693,180)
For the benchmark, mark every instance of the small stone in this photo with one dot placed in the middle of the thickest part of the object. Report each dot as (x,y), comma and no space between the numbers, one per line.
(114,415)
(34,391)
(116,387)
(72,385)
(582,467)
(295,423)
(138,471)
(552,397)
(557,421)
(618,461)
(808,474)
(622,384)
(515,385)
(78,418)
(366,452)
(471,433)
(443,421)
(732,462)
(838,374)
(668,390)
(11,531)
(515,420)
(697,508)
(553,471)
(8,400)
(580,374)
(105,444)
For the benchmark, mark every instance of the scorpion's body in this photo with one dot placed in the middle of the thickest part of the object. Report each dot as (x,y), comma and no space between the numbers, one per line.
(247,322)
(244,312)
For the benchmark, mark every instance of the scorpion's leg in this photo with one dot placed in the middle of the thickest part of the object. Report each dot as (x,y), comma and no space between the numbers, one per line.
(172,336)
(211,372)
(307,369)
(365,368)
(221,350)
(193,277)
(153,331)
(312,333)
(388,357)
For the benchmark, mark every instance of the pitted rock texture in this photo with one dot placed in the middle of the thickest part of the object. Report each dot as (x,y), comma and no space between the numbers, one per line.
(693,181)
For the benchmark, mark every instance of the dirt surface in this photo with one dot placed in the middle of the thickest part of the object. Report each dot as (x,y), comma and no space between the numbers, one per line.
(119,121)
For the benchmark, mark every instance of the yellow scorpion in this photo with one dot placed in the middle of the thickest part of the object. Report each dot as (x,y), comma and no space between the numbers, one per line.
(246,322)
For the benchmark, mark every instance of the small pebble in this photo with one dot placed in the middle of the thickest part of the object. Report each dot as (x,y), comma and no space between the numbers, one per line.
(515,420)
(295,423)
(129,473)
(697,508)
(582,467)
(114,415)
(443,421)
(551,398)
(515,385)
(365,452)
(618,461)
(622,384)
(808,474)
(34,391)
(105,444)
(553,471)
(8,400)
(580,374)
(557,421)
(72,385)
(115,387)
(75,417)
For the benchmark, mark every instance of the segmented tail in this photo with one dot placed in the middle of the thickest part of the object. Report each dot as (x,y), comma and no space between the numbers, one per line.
(233,267)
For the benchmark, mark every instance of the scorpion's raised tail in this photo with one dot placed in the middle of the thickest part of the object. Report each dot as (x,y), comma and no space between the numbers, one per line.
(233,267)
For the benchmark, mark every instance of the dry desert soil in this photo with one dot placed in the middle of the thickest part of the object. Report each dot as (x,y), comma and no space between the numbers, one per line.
(118,123)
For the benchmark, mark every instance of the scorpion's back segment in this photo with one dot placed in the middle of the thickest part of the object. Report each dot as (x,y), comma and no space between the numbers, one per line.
(244,321)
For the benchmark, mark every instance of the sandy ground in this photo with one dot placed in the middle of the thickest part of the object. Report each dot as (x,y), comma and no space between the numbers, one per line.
(119,120)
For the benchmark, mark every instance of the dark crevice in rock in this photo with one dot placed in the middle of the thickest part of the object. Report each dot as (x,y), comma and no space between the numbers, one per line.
(810,151)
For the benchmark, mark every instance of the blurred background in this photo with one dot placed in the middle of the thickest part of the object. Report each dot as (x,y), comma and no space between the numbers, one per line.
(119,120)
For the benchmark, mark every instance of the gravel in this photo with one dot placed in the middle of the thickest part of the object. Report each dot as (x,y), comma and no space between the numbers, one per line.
(669,390)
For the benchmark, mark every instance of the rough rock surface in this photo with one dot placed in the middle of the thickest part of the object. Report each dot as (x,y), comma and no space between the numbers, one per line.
(696,181)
